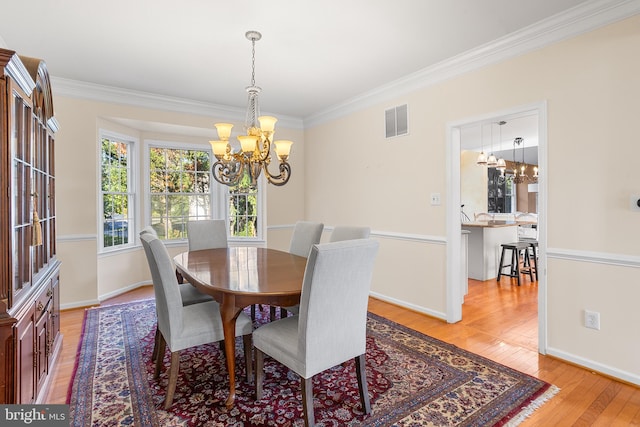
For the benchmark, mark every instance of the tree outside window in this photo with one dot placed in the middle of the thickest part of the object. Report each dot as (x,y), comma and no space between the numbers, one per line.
(243,209)
(116,194)
(179,186)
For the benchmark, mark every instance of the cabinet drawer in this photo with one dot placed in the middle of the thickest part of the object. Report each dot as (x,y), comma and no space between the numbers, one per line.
(42,300)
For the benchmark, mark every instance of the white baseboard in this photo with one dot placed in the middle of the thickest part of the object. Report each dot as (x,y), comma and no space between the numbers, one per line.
(89,303)
(419,309)
(594,366)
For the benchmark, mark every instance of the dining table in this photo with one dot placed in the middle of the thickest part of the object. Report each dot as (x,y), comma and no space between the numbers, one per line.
(237,277)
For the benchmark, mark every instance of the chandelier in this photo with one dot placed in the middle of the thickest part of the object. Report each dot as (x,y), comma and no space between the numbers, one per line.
(254,155)
(520,169)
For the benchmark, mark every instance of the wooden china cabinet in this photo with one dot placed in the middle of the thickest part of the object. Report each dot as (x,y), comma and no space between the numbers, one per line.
(29,270)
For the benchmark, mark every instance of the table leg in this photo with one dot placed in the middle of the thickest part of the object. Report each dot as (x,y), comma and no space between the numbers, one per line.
(229,313)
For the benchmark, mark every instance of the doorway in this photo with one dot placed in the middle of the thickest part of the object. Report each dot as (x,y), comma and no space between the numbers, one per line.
(456,279)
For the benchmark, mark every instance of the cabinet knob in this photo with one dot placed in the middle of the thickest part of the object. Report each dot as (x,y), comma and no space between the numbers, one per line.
(49,292)
(40,306)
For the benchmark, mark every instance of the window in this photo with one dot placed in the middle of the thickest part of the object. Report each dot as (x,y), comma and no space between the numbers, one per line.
(116,194)
(243,209)
(179,189)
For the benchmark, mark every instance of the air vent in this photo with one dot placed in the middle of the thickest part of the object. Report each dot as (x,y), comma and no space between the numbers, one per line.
(395,120)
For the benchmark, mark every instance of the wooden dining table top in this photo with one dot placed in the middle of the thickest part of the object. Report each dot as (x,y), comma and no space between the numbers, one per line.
(244,270)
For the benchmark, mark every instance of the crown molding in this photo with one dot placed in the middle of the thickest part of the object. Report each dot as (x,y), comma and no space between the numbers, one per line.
(575,21)
(102,93)
(578,20)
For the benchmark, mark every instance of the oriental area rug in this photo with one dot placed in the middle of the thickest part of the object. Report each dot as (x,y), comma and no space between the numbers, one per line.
(413,380)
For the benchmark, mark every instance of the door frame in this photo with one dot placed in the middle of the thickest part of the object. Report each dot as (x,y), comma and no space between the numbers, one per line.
(454,295)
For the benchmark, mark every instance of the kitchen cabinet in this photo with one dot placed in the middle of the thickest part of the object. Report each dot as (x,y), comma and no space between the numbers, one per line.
(499,192)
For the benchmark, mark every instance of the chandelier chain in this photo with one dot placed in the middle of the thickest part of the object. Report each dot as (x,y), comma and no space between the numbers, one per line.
(253,62)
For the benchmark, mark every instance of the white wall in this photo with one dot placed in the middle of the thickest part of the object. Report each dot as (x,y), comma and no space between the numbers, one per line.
(591,84)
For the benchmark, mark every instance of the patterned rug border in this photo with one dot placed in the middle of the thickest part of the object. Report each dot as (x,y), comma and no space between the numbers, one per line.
(518,414)
(145,410)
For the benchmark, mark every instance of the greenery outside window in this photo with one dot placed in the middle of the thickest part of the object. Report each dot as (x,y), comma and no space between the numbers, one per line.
(117,193)
(243,209)
(179,189)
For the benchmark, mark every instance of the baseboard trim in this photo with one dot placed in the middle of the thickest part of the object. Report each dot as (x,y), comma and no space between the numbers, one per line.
(408,305)
(597,367)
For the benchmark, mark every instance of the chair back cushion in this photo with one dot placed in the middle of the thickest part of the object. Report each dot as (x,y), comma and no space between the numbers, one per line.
(207,234)
(342,232)
(333,305)
(165,285)
(305,234)
(149,229)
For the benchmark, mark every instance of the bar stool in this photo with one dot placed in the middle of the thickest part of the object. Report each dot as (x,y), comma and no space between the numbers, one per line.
(533,257)
(516,249)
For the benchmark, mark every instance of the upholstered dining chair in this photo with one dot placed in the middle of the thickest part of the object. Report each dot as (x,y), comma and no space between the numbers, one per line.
(207,234)
(339,233)
(344,232)
(180,326)
(188,294)
(305,234)
(331,326)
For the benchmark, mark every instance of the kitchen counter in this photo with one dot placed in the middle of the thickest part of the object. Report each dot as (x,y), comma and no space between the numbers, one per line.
(485,238)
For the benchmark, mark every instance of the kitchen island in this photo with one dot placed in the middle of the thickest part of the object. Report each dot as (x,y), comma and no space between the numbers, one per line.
(485,238)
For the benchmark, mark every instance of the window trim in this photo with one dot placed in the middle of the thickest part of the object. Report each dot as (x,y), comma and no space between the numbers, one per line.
(133,152)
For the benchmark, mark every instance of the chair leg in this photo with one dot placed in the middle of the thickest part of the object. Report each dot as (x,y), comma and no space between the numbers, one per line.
(307,401)
(160,357)
(253,312)
(272,313)
(154,355)
(248,359)
(283,313)
(259,373)
(361,373)
(500,265)
(173,378)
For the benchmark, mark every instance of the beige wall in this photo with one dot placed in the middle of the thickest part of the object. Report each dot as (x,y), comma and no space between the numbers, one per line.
(591,85)
(473,184)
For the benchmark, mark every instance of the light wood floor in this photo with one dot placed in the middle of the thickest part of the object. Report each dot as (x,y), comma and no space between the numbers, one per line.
(499,322)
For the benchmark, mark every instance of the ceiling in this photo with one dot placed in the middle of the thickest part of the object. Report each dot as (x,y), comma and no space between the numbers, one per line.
(312,56)
(491,137)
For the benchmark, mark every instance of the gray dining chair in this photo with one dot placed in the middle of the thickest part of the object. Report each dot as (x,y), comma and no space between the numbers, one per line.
(331,326)
(188,294)
(180,326)
(339,233)
(345,232)
(305,234)
(207,234)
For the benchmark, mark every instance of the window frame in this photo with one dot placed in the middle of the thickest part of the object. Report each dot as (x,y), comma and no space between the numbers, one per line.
(133,205)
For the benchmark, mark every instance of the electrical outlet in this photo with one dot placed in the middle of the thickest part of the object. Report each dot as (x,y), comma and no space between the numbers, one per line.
(592,319)
(435,199)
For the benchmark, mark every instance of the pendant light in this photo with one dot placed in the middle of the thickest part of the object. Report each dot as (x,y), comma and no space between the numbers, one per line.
(492,162)
(482,158)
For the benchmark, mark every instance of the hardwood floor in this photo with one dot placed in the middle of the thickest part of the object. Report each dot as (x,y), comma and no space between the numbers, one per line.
(499,322)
